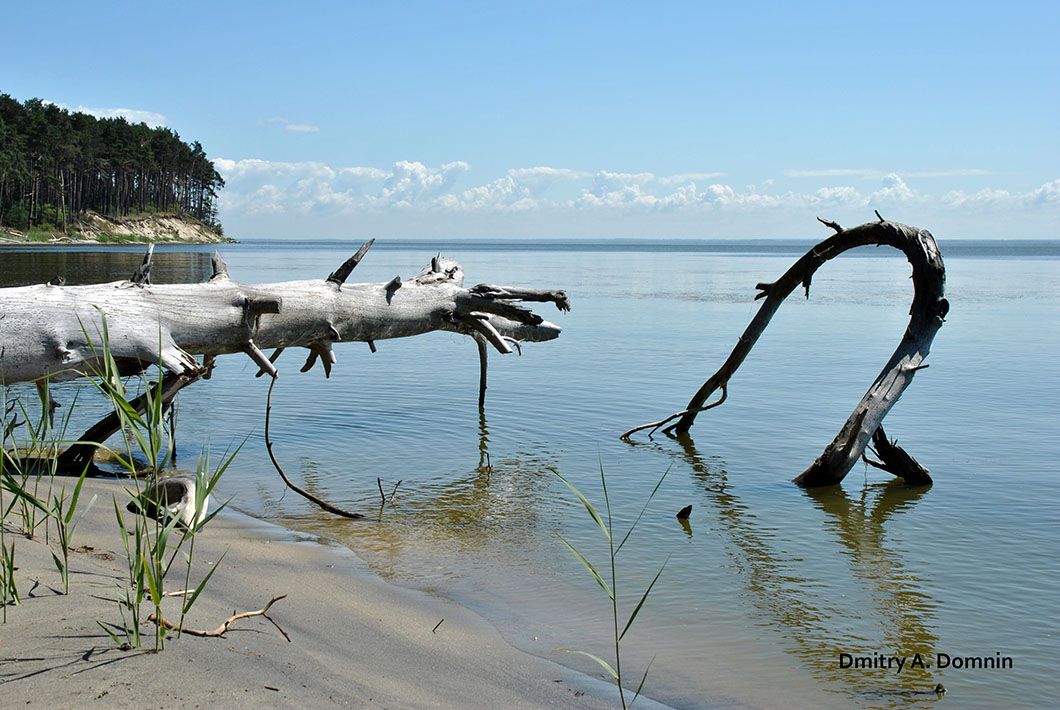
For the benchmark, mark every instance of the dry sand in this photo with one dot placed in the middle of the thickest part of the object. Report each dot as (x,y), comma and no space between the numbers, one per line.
(355,639)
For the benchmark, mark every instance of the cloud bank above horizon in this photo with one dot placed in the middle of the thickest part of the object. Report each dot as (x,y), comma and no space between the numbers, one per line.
(305,199)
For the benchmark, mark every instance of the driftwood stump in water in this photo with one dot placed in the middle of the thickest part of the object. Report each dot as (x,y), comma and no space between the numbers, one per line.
(927,313)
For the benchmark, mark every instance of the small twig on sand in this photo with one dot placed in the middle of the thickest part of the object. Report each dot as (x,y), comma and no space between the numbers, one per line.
(181,593)
(223,628)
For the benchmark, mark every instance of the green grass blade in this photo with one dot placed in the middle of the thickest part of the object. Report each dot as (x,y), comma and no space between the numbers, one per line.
(607,502)
(188,601)
(641,515)
(84,512)
(16,487)
(642,679)
(606,666)
(588,506)
(643,599)
(113,637)
(589,566)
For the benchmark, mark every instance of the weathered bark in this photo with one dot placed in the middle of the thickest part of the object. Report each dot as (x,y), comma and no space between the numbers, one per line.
(57,331)
(927,312)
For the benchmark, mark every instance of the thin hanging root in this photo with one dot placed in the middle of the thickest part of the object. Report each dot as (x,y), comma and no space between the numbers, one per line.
(483,368)
(305,494)
(654,426)
(220,631)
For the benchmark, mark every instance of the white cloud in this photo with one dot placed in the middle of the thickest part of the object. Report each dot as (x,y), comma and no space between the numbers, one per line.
(688,177)
(894,190)
(987,197)
(946,173)
(872,173)
(834,172)
(260,187)
(1047,194)
(254,168)
(288,126)
(132,115)
(410,183)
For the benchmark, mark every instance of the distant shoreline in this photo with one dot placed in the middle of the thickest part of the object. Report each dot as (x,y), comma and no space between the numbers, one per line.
(94,228)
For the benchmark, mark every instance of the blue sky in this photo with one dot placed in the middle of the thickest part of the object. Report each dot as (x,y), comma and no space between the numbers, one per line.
(579,119)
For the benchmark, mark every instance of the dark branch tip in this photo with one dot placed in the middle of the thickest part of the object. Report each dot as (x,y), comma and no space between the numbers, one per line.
(831,224)
(339,276)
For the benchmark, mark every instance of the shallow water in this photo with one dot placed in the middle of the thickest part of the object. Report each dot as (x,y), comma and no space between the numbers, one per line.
(769,584)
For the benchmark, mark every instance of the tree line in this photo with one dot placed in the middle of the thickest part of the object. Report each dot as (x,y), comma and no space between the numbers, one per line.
(55,165)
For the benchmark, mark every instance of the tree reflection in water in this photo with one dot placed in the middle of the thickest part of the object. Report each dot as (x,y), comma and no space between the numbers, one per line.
(815,614)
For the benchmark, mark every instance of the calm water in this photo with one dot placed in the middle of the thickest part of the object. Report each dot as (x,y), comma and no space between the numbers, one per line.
(769,584)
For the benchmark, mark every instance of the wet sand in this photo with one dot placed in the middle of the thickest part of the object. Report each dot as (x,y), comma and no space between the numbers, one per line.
(355,640)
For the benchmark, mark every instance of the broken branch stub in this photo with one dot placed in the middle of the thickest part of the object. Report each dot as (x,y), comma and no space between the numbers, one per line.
(927,313)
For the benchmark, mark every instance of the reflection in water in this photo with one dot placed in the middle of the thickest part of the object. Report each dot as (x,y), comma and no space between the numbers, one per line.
(484,464)
(474,510)
(819,625)
(24,266)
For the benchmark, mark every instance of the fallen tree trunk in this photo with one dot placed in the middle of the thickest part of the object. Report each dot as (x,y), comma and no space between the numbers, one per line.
(58,331)
(927,314)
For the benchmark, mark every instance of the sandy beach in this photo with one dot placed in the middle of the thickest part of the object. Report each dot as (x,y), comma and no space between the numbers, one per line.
(355,640)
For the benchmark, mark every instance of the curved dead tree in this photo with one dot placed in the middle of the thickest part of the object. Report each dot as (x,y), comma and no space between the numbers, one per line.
(927,313)
(56,331)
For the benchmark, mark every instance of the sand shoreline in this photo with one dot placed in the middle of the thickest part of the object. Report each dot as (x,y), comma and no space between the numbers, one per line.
(356,640)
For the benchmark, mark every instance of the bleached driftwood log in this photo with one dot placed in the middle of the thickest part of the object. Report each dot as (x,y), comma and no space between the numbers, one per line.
(927,313)
(56,331)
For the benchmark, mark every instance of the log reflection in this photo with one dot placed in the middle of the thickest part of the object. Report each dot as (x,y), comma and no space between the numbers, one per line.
(819,622)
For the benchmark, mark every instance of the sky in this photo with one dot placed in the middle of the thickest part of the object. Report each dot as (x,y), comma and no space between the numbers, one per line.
(575,119)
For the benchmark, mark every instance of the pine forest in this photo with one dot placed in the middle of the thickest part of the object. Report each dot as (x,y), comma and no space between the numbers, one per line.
(56,165)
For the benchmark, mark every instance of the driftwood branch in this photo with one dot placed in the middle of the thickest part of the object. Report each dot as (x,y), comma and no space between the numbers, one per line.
(56,331)
(79,455)
(894,460)
(220,631)
(927,313)
(323,504)
(52,330)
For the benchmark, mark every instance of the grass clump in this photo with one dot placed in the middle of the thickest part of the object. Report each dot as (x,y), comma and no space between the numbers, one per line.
(159,531)
(608,581)
(23,467)
(158,537)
